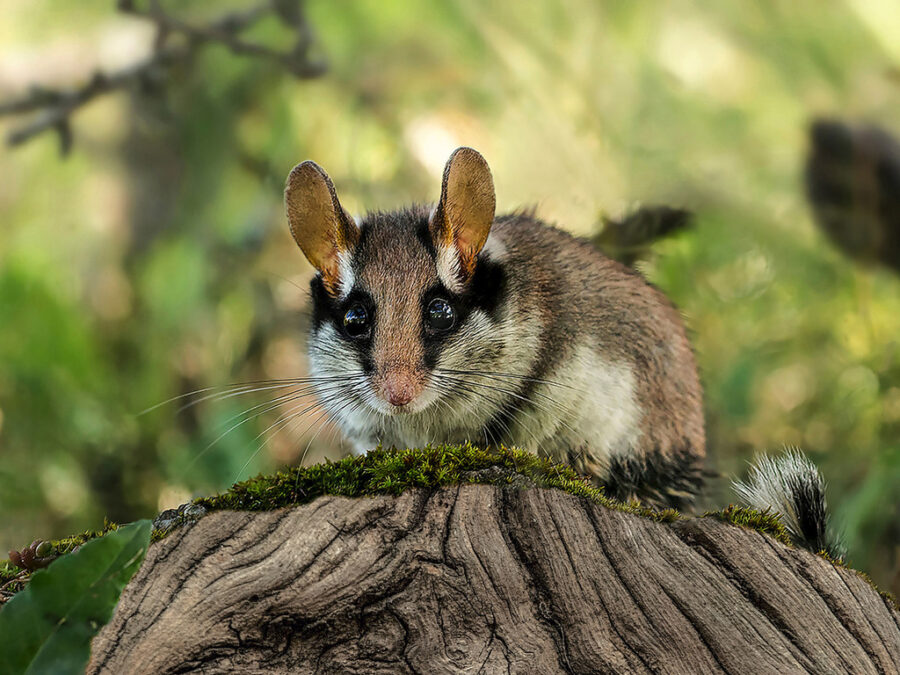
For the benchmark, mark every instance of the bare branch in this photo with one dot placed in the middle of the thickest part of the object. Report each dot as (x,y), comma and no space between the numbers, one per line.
(53,108)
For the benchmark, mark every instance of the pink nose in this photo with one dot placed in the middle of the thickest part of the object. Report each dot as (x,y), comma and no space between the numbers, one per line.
(399,388)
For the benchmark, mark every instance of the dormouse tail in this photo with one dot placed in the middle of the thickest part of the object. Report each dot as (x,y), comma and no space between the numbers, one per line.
(792,486)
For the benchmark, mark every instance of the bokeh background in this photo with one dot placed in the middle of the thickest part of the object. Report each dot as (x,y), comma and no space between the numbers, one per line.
(154,259)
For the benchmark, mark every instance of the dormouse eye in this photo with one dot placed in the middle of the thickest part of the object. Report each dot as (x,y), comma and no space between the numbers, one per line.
(440,314)
(356,321)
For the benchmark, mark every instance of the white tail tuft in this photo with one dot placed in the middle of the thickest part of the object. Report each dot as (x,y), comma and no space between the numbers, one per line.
(792,486)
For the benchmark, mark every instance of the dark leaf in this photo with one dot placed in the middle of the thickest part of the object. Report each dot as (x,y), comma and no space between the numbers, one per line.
(48,626)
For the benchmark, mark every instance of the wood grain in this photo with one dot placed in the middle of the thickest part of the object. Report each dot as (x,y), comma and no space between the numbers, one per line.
(483,579)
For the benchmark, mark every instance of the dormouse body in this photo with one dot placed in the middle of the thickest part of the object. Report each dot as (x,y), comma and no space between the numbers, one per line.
(449,324)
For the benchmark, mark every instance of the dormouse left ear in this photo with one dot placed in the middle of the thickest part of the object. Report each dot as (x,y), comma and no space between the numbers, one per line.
(463,217)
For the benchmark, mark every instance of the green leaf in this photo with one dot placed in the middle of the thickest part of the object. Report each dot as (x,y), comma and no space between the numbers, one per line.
(49,625)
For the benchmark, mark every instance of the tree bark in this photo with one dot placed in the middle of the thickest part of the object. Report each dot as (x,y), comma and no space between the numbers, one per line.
(478,578)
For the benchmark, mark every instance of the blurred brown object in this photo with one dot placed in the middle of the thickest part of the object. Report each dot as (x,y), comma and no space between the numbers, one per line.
(34,557)
(853,185)
(630,237)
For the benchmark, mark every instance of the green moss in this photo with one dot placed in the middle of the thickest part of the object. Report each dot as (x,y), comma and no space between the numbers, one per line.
(65,545)
(13,578)
(69,544)
(390,472)
(762,521)
(8,572)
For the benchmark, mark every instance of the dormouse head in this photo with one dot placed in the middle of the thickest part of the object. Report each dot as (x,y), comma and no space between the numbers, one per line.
(398,296)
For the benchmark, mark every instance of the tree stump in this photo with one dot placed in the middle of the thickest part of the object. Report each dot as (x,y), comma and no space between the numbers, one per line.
(486,579)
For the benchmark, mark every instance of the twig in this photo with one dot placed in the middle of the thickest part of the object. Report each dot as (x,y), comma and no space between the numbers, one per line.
(59,104)
(7,590)
(54,107)
(225,32)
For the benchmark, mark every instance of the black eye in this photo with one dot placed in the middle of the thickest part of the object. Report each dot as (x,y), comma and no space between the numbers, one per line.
(356,321)
(440,314)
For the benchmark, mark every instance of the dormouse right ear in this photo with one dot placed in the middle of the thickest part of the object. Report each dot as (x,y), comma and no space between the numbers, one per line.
(322,229)
(462,220)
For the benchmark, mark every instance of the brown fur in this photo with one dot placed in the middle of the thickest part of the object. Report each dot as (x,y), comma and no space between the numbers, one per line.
(402,270)
(584,296)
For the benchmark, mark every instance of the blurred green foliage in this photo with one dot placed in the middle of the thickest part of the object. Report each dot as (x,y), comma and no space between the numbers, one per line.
(155,260)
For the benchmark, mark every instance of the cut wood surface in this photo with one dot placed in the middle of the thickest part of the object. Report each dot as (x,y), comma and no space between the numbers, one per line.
(484,579)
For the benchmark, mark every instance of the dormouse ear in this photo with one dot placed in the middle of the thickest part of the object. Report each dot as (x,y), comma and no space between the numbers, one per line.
(463,218)
(322,229)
